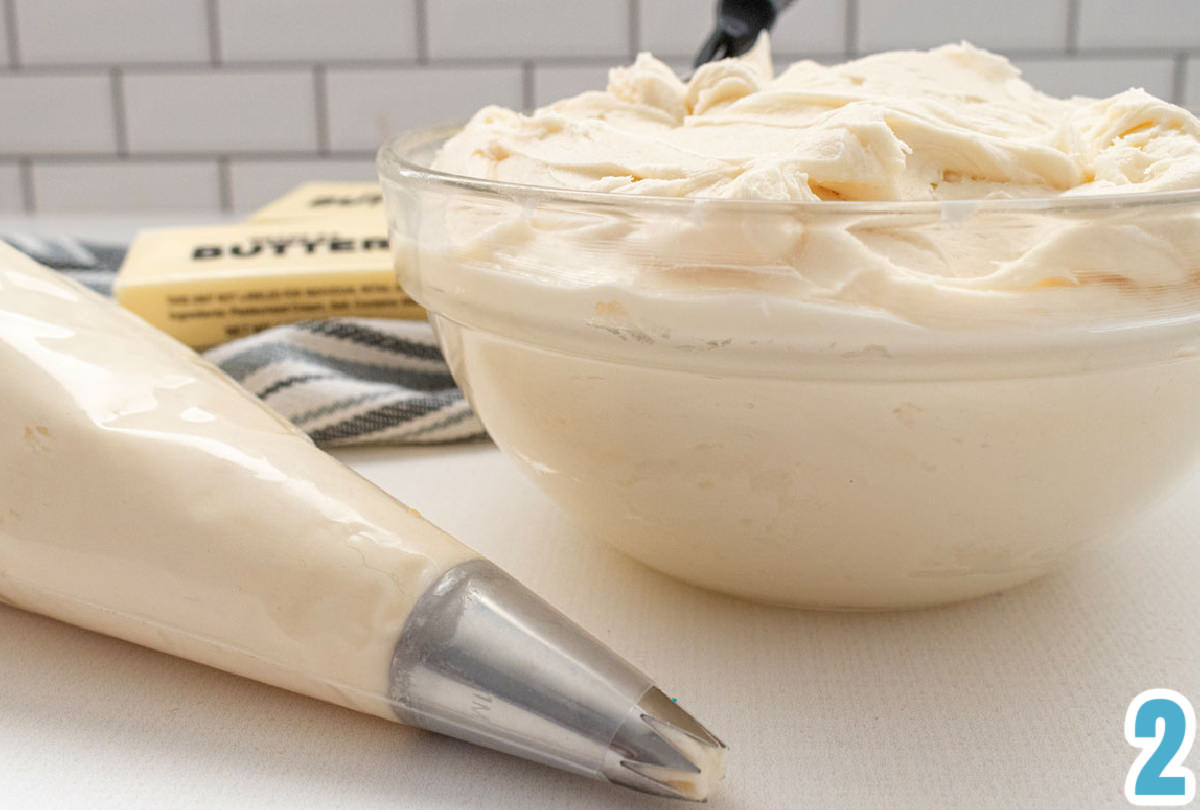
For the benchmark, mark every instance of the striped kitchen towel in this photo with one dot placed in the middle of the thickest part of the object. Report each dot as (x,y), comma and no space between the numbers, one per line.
(344,381)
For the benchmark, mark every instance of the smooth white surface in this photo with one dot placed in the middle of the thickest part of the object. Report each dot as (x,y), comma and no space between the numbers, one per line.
(1014,700)
(74,186)
(473,29)
(265,110)
(287,30)
(1123,23)
(254,183)
(1098,77)
(64,113)
(11,199)
(367,105)
(1016,25)
(87,32)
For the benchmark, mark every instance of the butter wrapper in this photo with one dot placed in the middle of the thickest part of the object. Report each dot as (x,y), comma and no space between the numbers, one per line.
(204,286)
(310,200)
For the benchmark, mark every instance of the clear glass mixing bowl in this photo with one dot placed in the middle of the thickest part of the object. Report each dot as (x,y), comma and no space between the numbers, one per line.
(833,404)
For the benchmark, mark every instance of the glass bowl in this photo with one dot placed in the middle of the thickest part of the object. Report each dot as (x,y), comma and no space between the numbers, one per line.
(850,405)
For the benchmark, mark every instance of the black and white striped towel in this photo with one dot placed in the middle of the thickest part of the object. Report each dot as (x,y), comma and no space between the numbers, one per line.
(343,381)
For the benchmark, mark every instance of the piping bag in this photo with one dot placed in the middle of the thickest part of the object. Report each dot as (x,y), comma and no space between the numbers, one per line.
(145,495)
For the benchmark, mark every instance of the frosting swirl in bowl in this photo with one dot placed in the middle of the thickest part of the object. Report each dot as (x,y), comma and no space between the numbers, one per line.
(955,122)
(882,334)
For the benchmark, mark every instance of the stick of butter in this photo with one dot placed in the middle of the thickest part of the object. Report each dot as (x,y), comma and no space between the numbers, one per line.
(323,200)
(207,285)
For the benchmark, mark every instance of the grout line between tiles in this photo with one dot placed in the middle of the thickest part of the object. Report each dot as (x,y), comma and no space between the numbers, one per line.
(185,157)
(120,122)
(298,66)
(225,184)
(851,28)
(1179,80)
(1072,26)
(321,102)
(528,86)
(25,167)
(635,28)
(214,32)
(422,28)
(10,32)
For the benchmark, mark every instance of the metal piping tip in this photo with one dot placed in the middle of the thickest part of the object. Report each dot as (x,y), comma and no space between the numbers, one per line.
(661,749)
(484,659)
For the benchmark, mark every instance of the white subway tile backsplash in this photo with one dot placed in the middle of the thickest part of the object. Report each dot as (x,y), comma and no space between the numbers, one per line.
(90,32)
(524,29)
(554,82)
(1099,77)
(352,76)
(257,182)
(367,105)
(674,27)
(12,200)
(56,114)
(118,185)
(1002,26)
(221,111)
(678,27)
(317,30)
(1139,23)
(815,27)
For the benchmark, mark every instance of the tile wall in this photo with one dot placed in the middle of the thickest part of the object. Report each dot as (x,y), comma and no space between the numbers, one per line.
(218,105)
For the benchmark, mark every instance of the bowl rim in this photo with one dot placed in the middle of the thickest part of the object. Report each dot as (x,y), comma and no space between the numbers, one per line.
(394,162)
(1115,340)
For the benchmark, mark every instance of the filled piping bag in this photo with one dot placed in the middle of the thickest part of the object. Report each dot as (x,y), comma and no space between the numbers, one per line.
(144,495)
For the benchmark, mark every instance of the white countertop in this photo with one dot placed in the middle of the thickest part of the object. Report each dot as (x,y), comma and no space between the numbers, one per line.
(1012,700)
(1015,700)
